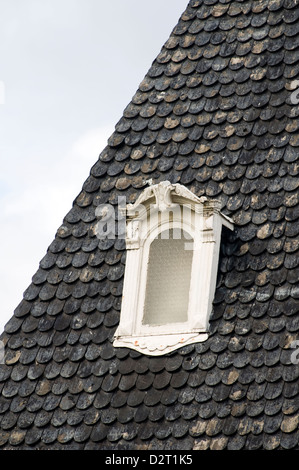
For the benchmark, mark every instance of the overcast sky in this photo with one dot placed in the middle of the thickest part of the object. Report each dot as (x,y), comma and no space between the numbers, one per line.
(68,68)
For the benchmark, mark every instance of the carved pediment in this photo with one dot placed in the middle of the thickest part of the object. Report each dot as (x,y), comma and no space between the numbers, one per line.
(164,196)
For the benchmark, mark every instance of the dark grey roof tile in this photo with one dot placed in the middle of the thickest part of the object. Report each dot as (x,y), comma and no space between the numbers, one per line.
(99,432)
(146,431)
(212,114)
(142,413)
(289,441)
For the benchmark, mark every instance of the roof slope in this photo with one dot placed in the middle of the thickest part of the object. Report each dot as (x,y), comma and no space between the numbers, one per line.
(214,113)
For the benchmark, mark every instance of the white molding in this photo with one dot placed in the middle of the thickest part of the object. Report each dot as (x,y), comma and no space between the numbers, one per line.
(161,344)
(158,208)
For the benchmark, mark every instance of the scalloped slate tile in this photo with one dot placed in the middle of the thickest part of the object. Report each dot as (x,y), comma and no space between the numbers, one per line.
(214,113)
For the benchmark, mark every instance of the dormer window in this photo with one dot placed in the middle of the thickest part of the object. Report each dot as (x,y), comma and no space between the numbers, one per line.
(173,241)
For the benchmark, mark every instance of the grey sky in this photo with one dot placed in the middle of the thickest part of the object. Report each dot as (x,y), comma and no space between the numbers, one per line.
(69,68)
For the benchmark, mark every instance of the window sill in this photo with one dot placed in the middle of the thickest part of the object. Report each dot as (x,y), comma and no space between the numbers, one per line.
(160,344)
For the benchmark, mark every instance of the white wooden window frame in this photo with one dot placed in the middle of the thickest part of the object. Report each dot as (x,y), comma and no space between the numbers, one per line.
(160,208)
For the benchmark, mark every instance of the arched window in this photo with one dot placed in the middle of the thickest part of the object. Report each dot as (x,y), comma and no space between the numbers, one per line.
(168,279)
(173,241)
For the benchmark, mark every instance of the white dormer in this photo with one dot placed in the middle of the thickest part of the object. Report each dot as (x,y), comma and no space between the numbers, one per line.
(173,242)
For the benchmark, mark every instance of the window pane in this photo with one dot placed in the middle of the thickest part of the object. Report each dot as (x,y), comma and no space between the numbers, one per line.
(168,280)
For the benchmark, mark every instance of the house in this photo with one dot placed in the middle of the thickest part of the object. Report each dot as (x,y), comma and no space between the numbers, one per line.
(214,123)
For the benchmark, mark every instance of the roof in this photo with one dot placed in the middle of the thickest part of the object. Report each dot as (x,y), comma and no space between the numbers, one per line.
(216,113)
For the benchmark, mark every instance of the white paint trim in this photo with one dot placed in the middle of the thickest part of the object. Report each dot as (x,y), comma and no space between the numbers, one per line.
(161,207)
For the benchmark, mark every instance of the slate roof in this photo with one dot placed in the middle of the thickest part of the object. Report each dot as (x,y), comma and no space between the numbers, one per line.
(213,113)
